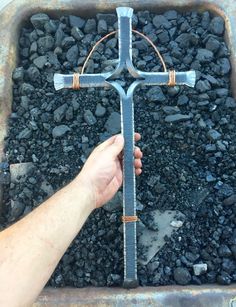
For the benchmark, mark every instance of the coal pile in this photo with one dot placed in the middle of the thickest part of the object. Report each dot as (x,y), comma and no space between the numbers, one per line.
(188,140)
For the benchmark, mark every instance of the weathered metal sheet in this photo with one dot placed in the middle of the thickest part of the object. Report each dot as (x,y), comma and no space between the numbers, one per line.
(171,296)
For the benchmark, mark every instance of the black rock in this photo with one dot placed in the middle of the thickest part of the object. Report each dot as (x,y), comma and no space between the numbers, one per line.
(76,21)
(224,66)
(47,188)
(5,177)
(230,103)
(109,18)
(69,113)
(184,40)
(155,94)
(173,90)
(50,26)
(72,55)
(211,277)
(171,14)
(203,86)
(205,20)
(17,208)
(33,74)
(102,27)
(112,43)
(113,124)
(224,251)
(140,45)
(59,131)
(210,147)
(177,118)
(214,135)
(33,48)
(89,118)
(191,257)
(45,43)
(24,134)
(40,61)
(77,33)
(100,110)
(114,279)
(229,201)
(228,265)
(75,105)
(217,25)
(163,37)
(68,42)
(212,44)
(211,79)
(182,100)
(59,36)
(204,55)
(222,92)
(182,276)
(224,278)
(161,21)
(170,109)
(221,145)
(18,74)
(26,89)
(90,26)
(233,250)
(59,113)
(39,20)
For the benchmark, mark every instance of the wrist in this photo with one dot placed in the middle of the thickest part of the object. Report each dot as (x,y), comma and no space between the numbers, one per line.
(83,191)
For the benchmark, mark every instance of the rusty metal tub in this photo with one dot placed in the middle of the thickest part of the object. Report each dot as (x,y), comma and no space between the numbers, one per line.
(12,17)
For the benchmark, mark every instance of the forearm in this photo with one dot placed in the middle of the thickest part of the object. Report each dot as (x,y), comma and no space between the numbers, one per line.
(31,249)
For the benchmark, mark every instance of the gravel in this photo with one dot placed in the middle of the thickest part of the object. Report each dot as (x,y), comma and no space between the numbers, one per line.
(188,140)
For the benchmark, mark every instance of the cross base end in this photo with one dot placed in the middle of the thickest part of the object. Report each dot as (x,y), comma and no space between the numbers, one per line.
(130,283)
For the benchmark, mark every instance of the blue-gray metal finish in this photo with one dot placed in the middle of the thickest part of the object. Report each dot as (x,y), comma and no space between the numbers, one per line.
(127,114)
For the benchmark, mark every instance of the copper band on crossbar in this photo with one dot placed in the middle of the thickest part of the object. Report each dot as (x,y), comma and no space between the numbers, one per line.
(76,83)
(128,219)
(172,77)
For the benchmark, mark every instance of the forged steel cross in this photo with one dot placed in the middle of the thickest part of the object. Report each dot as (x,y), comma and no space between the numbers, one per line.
(127,124)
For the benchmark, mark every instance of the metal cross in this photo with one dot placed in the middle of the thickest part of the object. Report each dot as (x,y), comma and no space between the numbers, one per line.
(127,124)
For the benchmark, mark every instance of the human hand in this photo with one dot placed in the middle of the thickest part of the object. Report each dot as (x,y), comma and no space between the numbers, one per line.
(102,172)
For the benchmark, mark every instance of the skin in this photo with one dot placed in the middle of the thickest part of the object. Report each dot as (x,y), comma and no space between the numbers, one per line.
(32,247)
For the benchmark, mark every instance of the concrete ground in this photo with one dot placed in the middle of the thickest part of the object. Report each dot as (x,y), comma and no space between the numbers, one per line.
(3,3)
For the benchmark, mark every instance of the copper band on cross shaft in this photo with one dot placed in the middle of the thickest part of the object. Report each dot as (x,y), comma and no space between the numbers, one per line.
(172,81)
(128,219)
(76,83)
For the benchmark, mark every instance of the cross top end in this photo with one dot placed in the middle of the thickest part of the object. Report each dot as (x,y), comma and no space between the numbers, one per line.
(171,78)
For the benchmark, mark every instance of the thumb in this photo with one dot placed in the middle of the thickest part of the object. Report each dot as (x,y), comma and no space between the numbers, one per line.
(117,146)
